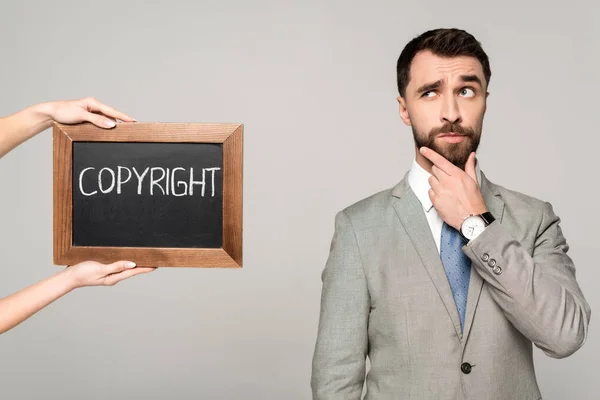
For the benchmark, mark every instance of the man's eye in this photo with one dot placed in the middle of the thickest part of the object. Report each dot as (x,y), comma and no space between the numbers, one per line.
(428,94)
(467,92)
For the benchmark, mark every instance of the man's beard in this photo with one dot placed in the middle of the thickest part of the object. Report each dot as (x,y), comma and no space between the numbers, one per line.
(456,153)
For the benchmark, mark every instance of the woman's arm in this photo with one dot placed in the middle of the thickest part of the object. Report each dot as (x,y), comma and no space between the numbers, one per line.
(23,125)
(16,129)
(19,306)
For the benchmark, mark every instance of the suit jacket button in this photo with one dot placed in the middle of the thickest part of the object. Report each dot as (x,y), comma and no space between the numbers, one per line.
(465,368)
(497,270)
(492,263)
(485,257)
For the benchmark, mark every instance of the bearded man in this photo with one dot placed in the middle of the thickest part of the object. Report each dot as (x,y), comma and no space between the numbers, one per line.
(447,280)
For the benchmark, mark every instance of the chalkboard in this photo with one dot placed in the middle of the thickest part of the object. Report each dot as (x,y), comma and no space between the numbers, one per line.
(147,194)
(158,194)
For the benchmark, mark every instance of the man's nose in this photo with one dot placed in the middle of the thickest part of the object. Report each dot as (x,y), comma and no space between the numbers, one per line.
(450,111)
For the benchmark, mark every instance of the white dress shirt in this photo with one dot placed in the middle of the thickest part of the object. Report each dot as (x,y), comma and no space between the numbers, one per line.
(418,180)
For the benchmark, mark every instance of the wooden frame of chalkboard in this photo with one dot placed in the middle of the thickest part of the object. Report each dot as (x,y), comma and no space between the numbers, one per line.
(229,136)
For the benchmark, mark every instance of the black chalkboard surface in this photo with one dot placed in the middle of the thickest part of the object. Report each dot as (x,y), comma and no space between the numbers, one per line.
(158,194)
(147,194)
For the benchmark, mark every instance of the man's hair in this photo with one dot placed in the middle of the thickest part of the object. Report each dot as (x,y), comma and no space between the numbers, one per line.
(442,42)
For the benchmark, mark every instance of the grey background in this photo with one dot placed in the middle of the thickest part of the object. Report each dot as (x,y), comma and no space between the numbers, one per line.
(314,84)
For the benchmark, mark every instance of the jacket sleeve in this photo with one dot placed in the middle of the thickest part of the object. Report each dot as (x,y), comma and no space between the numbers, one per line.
(538,293)
(338,367)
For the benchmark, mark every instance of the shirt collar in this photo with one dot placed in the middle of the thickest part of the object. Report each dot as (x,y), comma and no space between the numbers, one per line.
(418,179)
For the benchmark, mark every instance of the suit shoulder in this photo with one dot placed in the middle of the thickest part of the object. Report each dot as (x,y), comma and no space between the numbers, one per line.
(523,206)
(522,199)
(368,211)
(363,205)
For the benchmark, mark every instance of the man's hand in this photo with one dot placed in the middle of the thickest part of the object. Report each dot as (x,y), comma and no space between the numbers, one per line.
(91,273)
(88,109)
(455,193)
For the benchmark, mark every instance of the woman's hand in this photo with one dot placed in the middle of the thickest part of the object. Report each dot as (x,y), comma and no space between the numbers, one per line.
(86,110)
(92,273)
(23,125)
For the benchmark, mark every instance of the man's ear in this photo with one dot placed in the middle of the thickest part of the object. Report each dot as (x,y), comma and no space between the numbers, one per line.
(403,110)
(487,94)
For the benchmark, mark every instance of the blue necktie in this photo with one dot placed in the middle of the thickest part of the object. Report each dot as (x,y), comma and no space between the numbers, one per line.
(457,266)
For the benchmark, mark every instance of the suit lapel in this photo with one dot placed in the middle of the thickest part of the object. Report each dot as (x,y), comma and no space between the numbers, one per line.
(411,215)
(495,205)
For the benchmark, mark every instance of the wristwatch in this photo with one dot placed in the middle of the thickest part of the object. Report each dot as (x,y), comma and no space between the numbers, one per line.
(473,225)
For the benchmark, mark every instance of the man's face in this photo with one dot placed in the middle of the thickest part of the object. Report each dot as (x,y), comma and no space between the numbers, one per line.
(445,102)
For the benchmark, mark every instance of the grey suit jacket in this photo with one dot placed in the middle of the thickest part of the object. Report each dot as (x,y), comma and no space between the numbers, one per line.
(385,295)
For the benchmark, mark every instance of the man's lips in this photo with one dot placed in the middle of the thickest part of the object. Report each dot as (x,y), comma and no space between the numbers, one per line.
(450,134)
(452,137)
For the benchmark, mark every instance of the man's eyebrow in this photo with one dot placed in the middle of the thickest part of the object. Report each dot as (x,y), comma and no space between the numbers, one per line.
(429,86)
(471,78)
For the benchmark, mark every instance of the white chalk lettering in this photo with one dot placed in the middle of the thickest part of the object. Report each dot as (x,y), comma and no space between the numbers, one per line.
(140,178)
(81,183)
(213,179)
(112,185)
(178,181)
(119,180)
(193,182)
(155,181)
(167,183)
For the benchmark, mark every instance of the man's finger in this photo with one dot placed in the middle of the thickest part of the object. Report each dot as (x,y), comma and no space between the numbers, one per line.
(119,276)
(438,173)
(94,105)
(435,184)
(431,193)
(438,160)
(470,167)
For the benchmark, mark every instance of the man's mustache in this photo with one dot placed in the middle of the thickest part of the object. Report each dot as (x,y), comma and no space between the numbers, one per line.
(452,127)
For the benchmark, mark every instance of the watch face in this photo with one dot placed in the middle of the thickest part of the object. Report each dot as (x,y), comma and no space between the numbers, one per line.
(472,227)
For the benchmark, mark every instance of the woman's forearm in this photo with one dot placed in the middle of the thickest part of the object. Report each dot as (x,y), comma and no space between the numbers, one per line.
(19,306)
(23,125)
